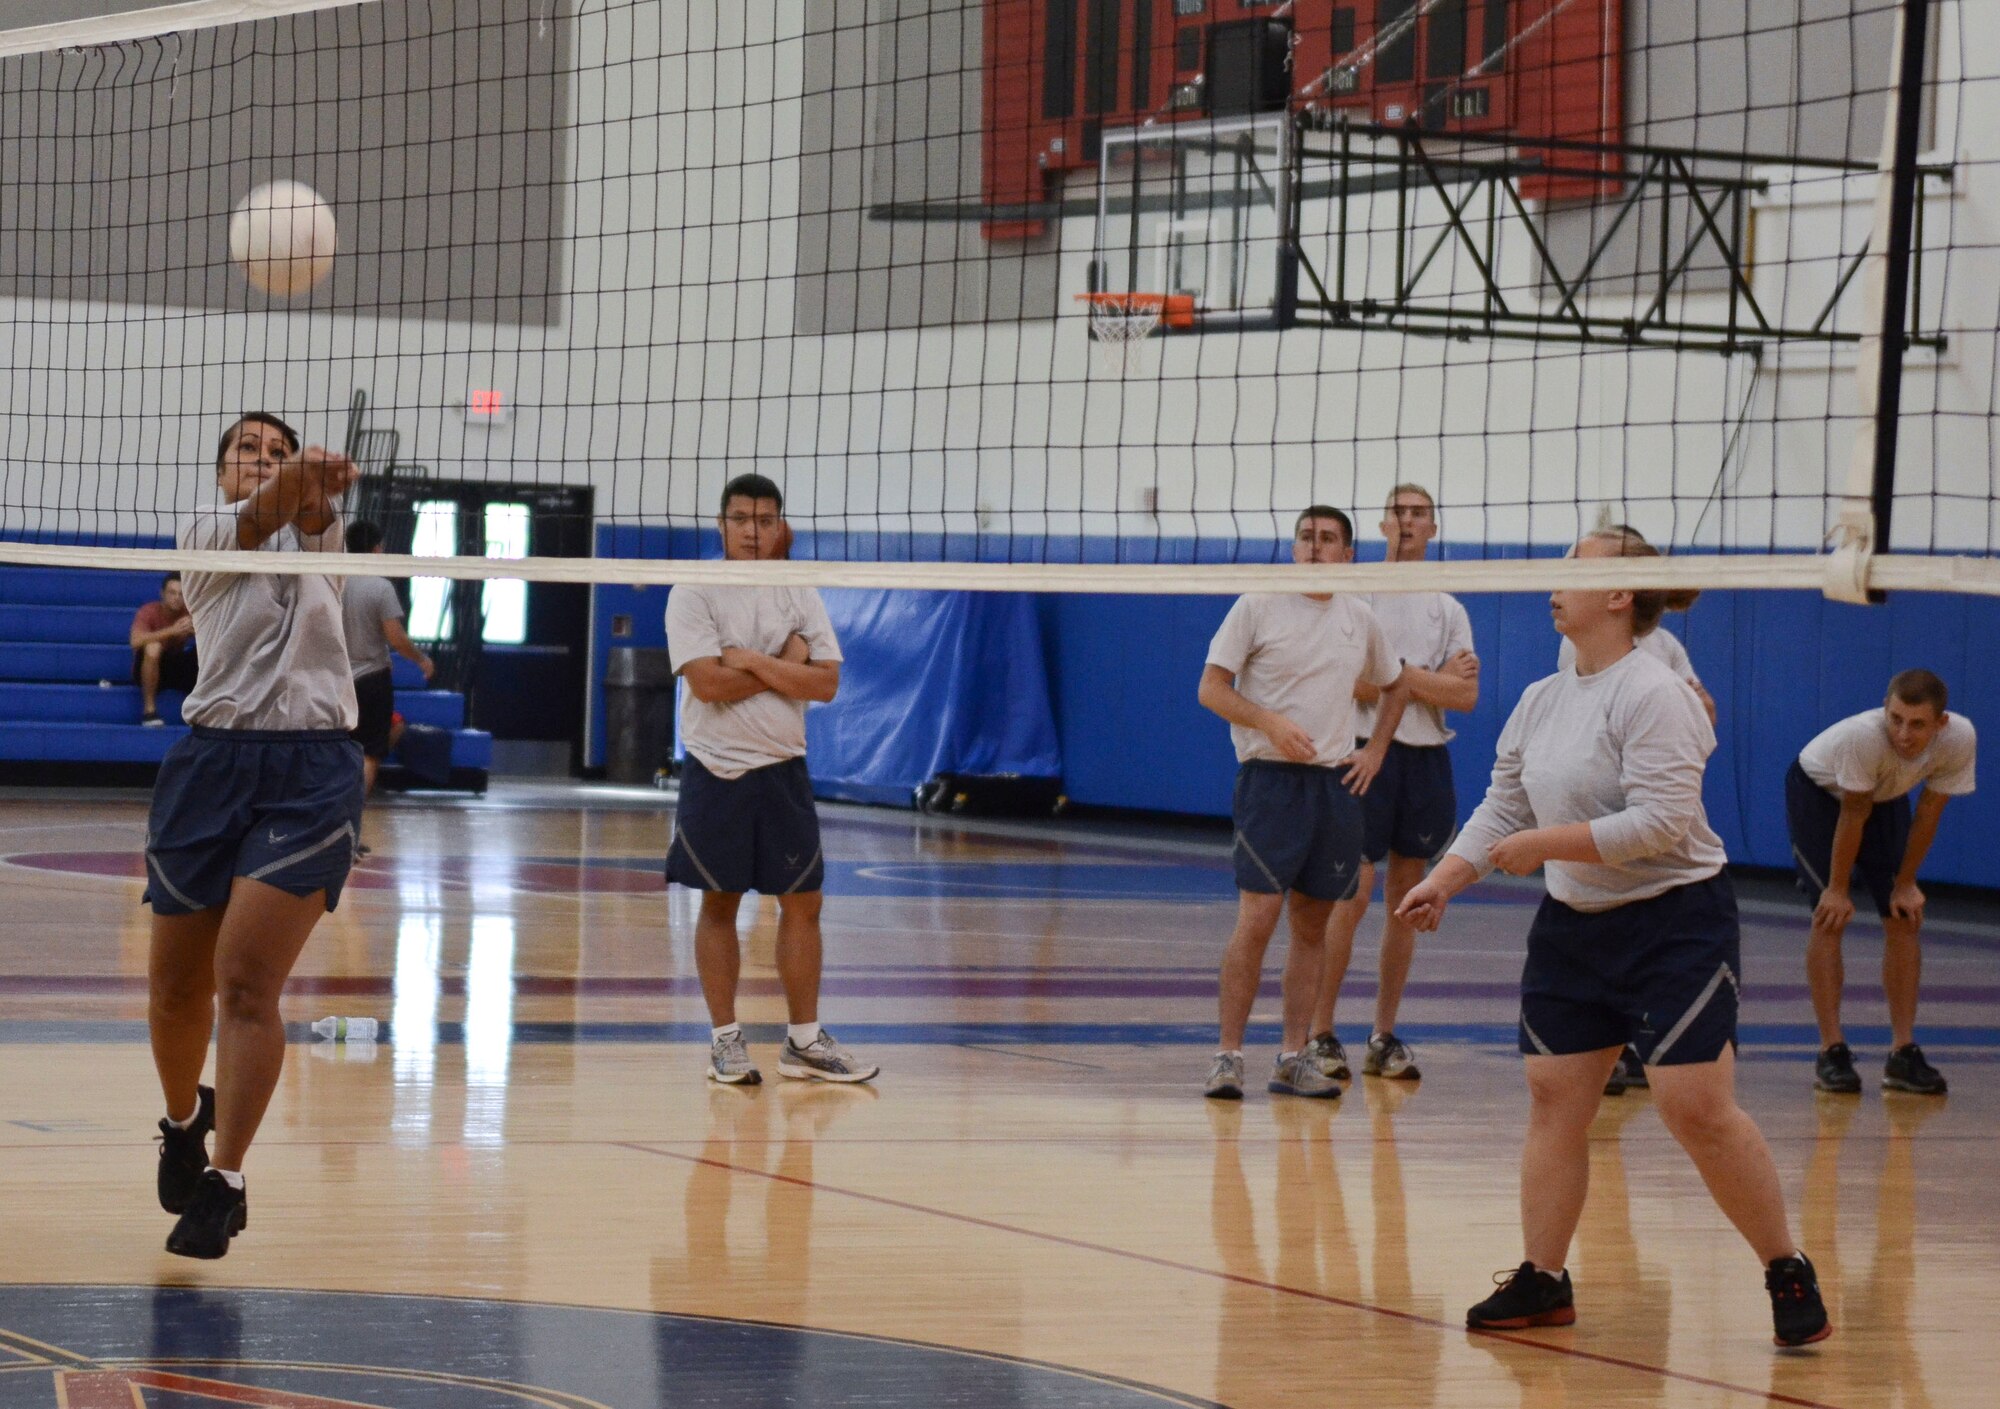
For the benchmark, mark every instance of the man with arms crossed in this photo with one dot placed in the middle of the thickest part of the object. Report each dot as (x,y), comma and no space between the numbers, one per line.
(750,658)
(1410,812)
(1847,802)
(1282,670)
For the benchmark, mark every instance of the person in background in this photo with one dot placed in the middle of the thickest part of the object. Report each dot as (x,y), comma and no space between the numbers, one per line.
(1282,669)
(163,654)
(373,618)
(1411,811)
(1847,804)
(751,657)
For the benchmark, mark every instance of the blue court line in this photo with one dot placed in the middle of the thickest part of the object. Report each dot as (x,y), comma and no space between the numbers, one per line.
(1802,1036)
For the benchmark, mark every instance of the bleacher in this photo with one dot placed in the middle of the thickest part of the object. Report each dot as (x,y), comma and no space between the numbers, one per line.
(66,691)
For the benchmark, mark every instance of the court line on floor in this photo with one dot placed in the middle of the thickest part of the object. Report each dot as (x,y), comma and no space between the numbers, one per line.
(1769,1396)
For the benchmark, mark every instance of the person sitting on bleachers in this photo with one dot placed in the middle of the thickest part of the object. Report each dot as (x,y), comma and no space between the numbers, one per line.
(163,656)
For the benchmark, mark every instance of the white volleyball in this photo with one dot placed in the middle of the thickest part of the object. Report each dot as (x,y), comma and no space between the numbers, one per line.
(281,234)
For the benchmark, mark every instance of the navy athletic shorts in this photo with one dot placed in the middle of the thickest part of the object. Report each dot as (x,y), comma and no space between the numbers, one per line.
(278,807)
(375,706)
(1411,808)
(1812,813)
(1297,828)
(757,832)
(1661,974)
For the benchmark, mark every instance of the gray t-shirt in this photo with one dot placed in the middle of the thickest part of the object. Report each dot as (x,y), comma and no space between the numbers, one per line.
(1426,629)
(1302,658)
(731,739)
(1659,643)
(1624,750)
(365,604)
(1855,756)
(273,649)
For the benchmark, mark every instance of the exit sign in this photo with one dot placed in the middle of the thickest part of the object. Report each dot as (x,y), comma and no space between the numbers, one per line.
(487,405)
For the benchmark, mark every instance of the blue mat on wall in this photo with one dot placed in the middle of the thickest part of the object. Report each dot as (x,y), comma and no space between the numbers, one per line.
(935,682)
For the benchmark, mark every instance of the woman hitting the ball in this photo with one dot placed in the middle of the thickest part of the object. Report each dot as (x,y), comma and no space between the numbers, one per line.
(1598,778)
(254,816)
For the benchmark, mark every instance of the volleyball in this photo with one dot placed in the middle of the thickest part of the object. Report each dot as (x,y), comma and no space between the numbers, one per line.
(282,235)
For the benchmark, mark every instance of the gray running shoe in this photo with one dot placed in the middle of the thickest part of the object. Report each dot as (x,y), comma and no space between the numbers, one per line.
(1325,1050)
(1834,1071)
(729,1062)
(1225,1078)
(1297,1074)
(1907,1070)
(823,1059)
(1389,1058)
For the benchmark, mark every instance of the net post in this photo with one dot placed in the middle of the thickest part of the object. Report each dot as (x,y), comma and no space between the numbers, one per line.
(1863,527)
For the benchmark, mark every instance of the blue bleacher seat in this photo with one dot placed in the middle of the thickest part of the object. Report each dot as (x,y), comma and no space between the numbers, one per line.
(64,630)
(50,660)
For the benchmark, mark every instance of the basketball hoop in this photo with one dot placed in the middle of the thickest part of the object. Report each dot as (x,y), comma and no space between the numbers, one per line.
(1119,322)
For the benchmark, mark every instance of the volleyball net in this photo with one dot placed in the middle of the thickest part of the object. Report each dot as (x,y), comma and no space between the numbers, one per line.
(1086,295)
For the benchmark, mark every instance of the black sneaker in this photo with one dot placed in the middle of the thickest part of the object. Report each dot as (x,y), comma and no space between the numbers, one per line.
(1907,1070)
(1527,1297)
(184,1153)
(1834,1071)
(1798,1316)
(1633,1069)
(216,1214)
(1617,1083)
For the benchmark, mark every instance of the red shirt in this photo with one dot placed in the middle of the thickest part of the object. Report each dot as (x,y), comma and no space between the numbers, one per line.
(154,616)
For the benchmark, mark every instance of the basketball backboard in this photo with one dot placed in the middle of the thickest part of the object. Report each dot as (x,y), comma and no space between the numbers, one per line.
(1203,209)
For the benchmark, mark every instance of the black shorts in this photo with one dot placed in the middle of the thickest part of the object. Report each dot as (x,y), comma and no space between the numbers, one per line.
(1660,974)
(178,669)
(1297,828)
(1812,813)
(281,808)
(757,832)
(1411,809)
(375,696)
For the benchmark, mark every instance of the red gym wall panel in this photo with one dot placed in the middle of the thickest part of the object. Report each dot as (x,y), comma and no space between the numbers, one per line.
(1058,72)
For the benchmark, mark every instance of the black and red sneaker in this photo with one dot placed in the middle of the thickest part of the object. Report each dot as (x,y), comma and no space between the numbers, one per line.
(184,1153)
(1527,1297)
(1798,1316)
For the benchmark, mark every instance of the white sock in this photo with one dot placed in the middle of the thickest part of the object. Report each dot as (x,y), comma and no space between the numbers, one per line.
(803,1035)
(232,1177)
(716,1034)
(1230,1052)
(189,1122)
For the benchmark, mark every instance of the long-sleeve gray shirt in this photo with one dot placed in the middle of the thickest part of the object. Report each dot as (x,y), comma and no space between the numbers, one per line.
(1624,750)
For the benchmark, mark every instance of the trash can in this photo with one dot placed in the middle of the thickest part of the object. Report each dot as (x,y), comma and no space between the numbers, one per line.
(638,714)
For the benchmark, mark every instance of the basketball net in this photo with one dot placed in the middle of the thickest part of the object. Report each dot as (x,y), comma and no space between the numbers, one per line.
(1121,322)
(1116,334)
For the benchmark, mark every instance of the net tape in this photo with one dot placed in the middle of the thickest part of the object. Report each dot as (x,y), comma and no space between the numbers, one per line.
(1799,572)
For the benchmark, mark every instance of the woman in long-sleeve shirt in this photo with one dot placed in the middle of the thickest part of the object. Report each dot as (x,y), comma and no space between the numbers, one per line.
(1598,778)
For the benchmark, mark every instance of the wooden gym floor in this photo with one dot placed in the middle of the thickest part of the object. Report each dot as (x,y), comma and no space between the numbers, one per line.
(527,1194)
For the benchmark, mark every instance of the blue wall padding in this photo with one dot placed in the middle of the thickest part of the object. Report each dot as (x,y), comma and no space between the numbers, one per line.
(1124,671)
(939,682)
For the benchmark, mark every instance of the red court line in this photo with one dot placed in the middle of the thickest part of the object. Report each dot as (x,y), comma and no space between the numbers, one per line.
(1083,1245)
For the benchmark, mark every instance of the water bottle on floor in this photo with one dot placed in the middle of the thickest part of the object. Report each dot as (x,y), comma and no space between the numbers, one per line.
(347,1029)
